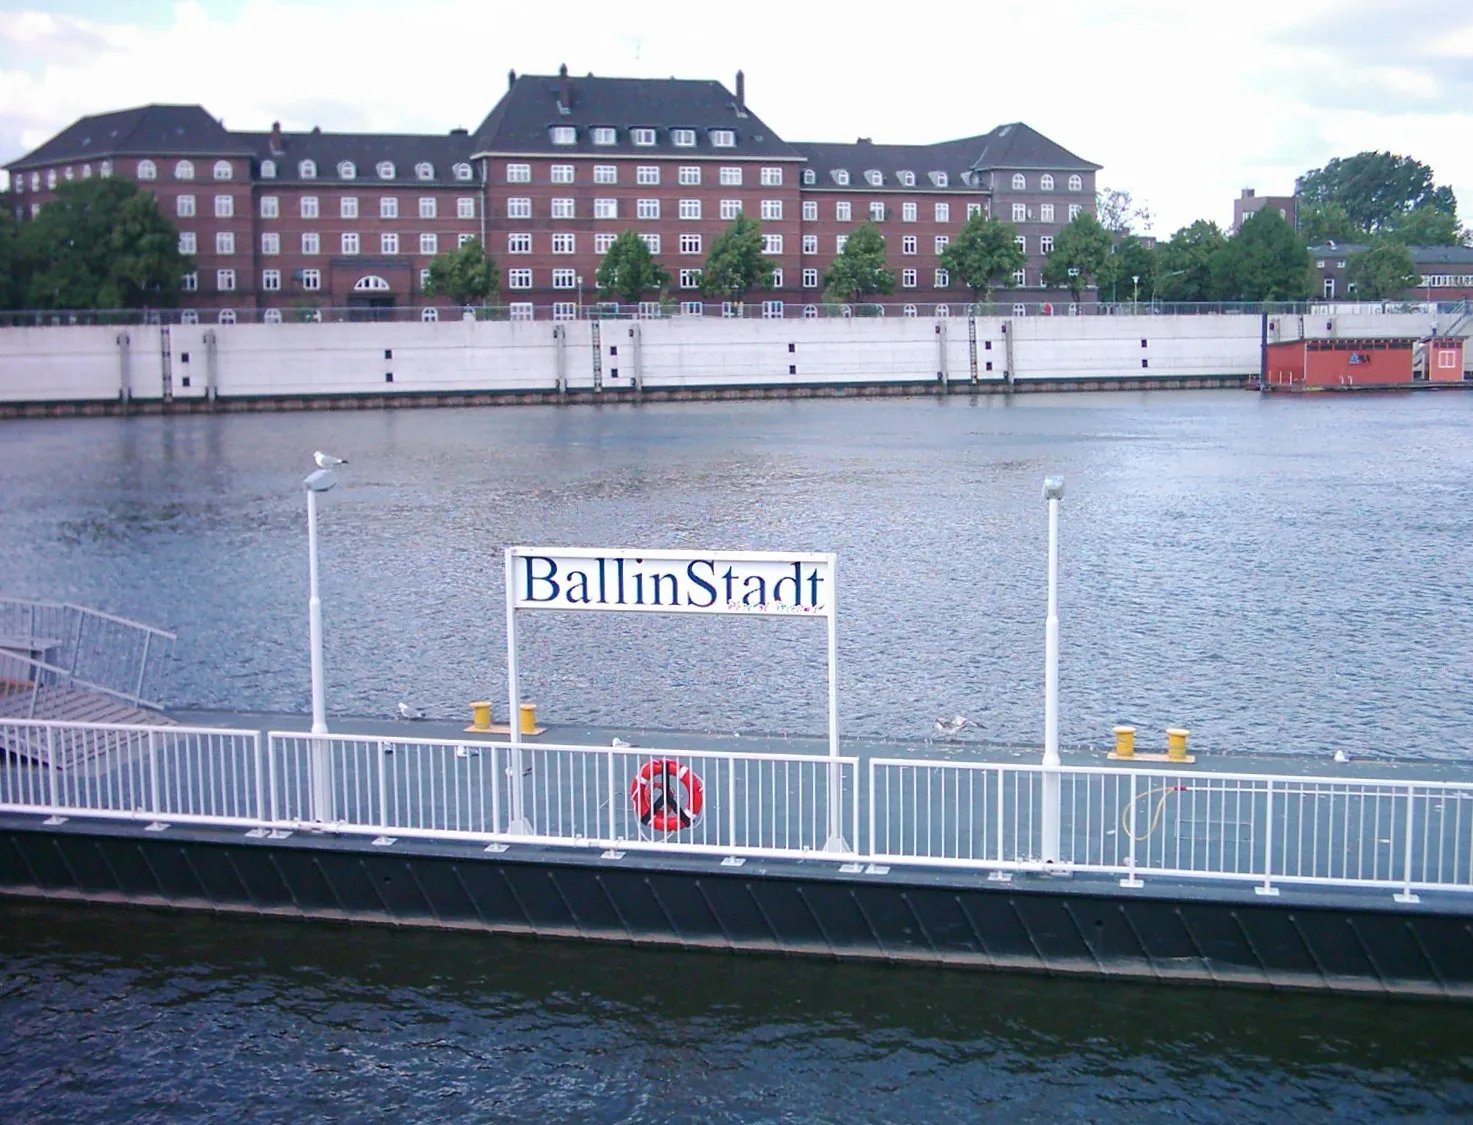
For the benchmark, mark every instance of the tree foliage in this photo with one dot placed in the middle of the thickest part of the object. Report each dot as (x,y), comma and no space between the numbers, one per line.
(1265,261)
(1079,253)
(1385,270)
(101,244)
(859,270)
(1129,269)
(629,270)
(1375,189)
(1427,225)
(983,255)
(1184,264)
(1118,212)
(735,266)
(13,268)
(466,275)
(1320,223)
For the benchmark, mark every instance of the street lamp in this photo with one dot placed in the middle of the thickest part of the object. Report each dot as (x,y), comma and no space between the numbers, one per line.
(580,296)
(1136,299)
(1053,492)
(320,481)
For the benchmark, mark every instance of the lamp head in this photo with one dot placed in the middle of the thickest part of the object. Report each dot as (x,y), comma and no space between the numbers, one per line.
(320,481)
(1053,488)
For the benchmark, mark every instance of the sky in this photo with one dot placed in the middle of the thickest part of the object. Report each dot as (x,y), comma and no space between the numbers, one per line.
(1184,102)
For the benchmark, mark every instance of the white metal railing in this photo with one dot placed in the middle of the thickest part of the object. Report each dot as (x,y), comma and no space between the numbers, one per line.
(62,643)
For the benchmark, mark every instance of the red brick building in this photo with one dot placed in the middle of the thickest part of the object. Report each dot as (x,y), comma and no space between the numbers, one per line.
(285,221)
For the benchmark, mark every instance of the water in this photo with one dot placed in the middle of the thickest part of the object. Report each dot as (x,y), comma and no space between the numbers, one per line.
(1286,576)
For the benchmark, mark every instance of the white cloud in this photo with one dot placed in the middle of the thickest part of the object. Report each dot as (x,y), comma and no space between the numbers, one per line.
(1182,104)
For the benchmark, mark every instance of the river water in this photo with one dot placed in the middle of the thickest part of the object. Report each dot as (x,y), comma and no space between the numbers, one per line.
(1281,576)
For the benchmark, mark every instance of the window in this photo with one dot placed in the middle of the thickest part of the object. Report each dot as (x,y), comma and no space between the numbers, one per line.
(271,280)
(424,278)
(642,137)
(647,209)
(1020,181)
(519,173)
(842,211)
(520,310)
(690,174)
(564,243)
(184,206)
(429,243)
(223,170)
(268,170)
(225,242)
(311,243)
(690,208)
(908,244)
(564,310)
(462,238)
(772,244)
(876,211)
(1046,244)
(388,243)
(690,279)
(564,279)
(943,212)
(520,208)
(942,241)
(772,177)
(1045,182)
(311,280)
(519,244)
(270,206)
(605,174)
(602,242)
(647,174)
(225,281)
(692,308)
(1020,277)
(1020,212)
(731,208)
(841,177)
(651,242)
(810,210)
(189,282)
(147,170)
(307,170)
(187,242)
(722,138)
(731,177)
(350,242)
(463,172)
(943,279)
(683,138)
(907,279)
(224,206)
(427,207)
(347,170)
(907,179)
(973,209)
(603,135)
(1074,209)
(184,170)
(839,243)
(562,208)
(605,208)
(348,207)
(775,280)
(810,244)
(772,209)
(810,176)
(519,279)
(423,171)
(908,212)
(909,310)
(271,243)
(385,169)
(1076,184)
(1046,212)
(939,179)
(810,279)
(873,178)
(690,244)
(388,207)
(105,169)
(562,173)
(225,316)
(772,310)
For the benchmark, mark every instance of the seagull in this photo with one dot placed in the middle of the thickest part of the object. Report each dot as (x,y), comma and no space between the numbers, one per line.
(954,725)
(408,712)
(327,460)
(465,752)
(1342,756)
(620,742)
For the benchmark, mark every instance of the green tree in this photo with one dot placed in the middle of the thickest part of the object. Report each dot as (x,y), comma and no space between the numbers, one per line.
(14,269)
(983,255)
(1184,264)
(1128,270)
(1264,261)
(102,244)
(1426,225)
(629,271)
(467,275)
(1385,270)
(1375,188)
(1118,212)
(859,270)
(1320,223)
(1079,253)
(736,264)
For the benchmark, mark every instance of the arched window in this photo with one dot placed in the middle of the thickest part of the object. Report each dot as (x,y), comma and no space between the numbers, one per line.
(1020,181)
(385,170)
(429,315)
(307,169)
(268,169)
(370,283)
(1076,184)
(463,171)
(1046,182)
(943,310)
(35,181)
(810,312)
(810,177)
(909,310)
(86,171)
(189,316)
(273,316)
(227,316)
(66,173)
(51,177)
(184,170)
(223,170)
(424,171)
(347,170)
(104,169)
(147,170)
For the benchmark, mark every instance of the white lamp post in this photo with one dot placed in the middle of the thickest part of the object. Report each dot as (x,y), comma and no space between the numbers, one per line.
(320,481)
(1053,492)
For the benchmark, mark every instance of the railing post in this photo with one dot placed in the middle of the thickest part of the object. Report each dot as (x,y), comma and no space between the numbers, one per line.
(383,805)
(271,778)
(153,776)
(1267,887)
(1406,882)
(320,780)
(52,794)
(613,797)
(872,804)
(731,803)
(1131,880)
(260,810)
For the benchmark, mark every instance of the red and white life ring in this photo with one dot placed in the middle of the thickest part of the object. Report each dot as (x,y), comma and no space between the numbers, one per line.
(667,795)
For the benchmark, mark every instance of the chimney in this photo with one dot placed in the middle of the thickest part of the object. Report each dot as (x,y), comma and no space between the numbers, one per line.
(278,146)
(741,92)
(1247,193)
(565,89)
(511,79)
(317,130)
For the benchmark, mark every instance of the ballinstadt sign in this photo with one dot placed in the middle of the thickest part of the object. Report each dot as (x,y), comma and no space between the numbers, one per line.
(583,578)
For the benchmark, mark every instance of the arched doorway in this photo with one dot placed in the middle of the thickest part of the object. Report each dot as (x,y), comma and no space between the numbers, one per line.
(370,299)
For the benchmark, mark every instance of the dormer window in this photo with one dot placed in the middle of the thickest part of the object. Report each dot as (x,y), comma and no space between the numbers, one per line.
(874,178)
(463,171)
(347,170)
(104,170)
(223,170)
(1045,182)
(810,176)
(307,170)
(564,135)
(723,138)
(147,170)
(642,136)
(908,179)
(683,138)
(385,169)
(841,177)
(939,179)
(1020,181)
(424,171)
(603,135)
(184,170)
(268,169)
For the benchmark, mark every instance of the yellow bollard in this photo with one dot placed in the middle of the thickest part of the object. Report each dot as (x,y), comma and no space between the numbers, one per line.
(1124,742)
(529,719)
(480,716)
(1176,744)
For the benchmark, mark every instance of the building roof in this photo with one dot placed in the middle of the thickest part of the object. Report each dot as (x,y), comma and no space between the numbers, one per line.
(150,130)
(365,151)
(1020,146)
(1421,255)
(522,120)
